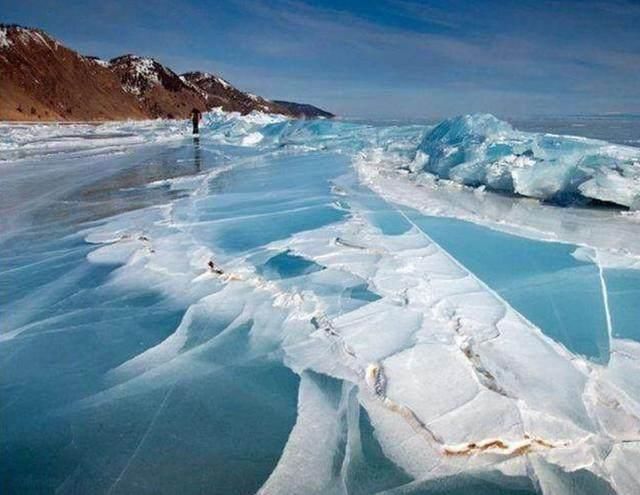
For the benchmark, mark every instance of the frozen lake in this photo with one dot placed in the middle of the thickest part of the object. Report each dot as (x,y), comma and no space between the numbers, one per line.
(369,325)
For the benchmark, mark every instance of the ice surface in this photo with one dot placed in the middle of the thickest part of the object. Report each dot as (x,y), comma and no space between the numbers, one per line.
(482,150)
(345,340)
(615,234)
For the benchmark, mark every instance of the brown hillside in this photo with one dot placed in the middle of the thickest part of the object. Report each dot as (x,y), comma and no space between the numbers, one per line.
(43,80)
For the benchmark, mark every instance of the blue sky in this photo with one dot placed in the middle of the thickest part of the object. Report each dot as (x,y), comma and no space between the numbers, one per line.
(391,59)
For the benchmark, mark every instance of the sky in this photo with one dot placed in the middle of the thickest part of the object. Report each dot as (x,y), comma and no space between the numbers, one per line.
(403,59)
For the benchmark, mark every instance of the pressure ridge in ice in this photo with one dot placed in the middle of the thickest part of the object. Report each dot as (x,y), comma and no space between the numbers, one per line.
(475,150)
(480,150)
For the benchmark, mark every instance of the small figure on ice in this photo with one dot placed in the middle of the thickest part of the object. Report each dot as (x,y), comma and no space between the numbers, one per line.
(196,115)
(213,268)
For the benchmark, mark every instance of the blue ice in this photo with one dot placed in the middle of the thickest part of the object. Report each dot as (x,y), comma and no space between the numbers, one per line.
(168,385)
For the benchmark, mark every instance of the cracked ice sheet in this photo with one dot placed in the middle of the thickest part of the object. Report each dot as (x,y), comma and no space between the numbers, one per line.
(467,365)
(543,385)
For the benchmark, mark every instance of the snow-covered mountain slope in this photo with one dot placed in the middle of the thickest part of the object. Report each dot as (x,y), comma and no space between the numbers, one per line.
(160,91)
(219,93)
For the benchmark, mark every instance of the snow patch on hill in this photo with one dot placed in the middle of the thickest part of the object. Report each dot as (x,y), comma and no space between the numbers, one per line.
(24,35)
(4,39)
(101,62)
(194,87)
(139,73)
(144,67)
(224,83)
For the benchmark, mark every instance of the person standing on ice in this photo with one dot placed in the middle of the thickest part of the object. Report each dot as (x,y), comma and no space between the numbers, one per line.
(196,115)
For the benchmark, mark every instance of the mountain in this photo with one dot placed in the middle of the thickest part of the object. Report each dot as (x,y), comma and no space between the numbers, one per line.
(159,90)
(42,80)
(303,110)
(220,93)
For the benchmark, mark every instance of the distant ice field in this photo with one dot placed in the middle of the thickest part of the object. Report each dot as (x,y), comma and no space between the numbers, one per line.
(282,306)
